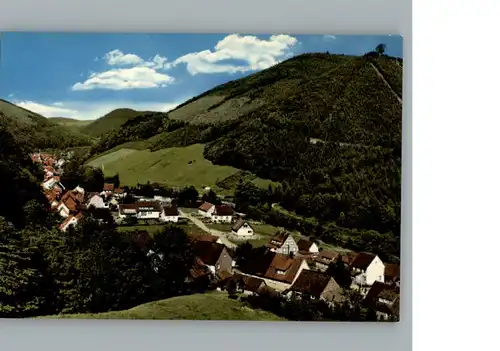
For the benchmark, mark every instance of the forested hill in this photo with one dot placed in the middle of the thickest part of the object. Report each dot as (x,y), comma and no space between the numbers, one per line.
(35,131)
(327,127)
(111,121)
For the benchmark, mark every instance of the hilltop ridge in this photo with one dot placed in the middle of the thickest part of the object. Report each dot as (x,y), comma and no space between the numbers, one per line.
(36,131)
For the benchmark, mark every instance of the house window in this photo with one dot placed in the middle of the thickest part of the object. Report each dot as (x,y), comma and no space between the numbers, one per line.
(280,272)
(249,232)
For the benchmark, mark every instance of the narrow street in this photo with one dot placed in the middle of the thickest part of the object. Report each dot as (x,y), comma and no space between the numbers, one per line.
(202,226)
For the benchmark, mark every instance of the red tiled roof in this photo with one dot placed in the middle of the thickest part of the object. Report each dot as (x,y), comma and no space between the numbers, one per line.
(278,240)
(209,238)
(311,282)
(270,263)
(199,269)
(223,210)
(171,210)
(118,191)
(205,206)
(304,244)
(392,271)
(208,252)
(253,284)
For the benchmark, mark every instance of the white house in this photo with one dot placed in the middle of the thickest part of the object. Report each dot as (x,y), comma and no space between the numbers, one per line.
(206,209)
(162,199)
(148,210)
(283,243)
(242,228)
(306,246)
(222,214)
(97,201)
(368,268)
(169,214)
(125,210)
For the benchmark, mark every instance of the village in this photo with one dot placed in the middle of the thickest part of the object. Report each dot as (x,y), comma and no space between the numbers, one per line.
(288,265)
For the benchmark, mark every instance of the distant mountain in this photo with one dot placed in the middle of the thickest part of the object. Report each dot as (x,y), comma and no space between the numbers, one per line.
(70,122)
(35,131)
(111,121)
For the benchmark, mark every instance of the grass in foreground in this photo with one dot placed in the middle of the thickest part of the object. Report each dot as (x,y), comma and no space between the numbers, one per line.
(153,229)
(209,306)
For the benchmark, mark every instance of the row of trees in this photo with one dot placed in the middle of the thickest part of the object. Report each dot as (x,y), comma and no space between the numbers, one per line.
(88,269)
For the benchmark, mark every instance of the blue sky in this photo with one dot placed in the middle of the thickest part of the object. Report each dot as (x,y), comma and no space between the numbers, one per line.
(84,76)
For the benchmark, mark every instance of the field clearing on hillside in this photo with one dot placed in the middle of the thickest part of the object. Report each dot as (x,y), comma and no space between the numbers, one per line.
(175,167)
(208,306)
(70,123)
(112,158)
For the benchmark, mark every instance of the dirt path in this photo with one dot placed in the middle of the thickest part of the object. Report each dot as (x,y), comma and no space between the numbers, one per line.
(202,226)
(386,83)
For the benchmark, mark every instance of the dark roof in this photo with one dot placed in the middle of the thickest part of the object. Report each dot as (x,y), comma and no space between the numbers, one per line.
(209,238)
(127,206)
(239,223)
(223,210)
(208,252)
(249,283)
(171,210)
(278,240)
(375,291)
(362,260)
(304,244)
(386,292)
(108,187)
(392,271)
(205,206)
(269,263)
(311,282)
(325,257)
(198,269)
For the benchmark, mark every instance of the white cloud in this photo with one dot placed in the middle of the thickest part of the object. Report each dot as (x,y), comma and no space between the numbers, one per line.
(256,54)
(46,110)
(125,78)
(118,58)
(332,37)
(249,52)
(142,75)
(84,110)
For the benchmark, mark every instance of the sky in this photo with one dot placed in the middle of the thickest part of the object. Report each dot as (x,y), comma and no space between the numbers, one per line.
(85,76)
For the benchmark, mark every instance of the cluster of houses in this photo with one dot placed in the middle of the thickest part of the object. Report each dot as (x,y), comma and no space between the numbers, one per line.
(158,208)
(65,202)
(298,269)
(223,213)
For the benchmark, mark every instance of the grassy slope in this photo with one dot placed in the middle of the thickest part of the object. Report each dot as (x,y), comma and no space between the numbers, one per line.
(136,164)
(209,306)
(70,122)
(110,121)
